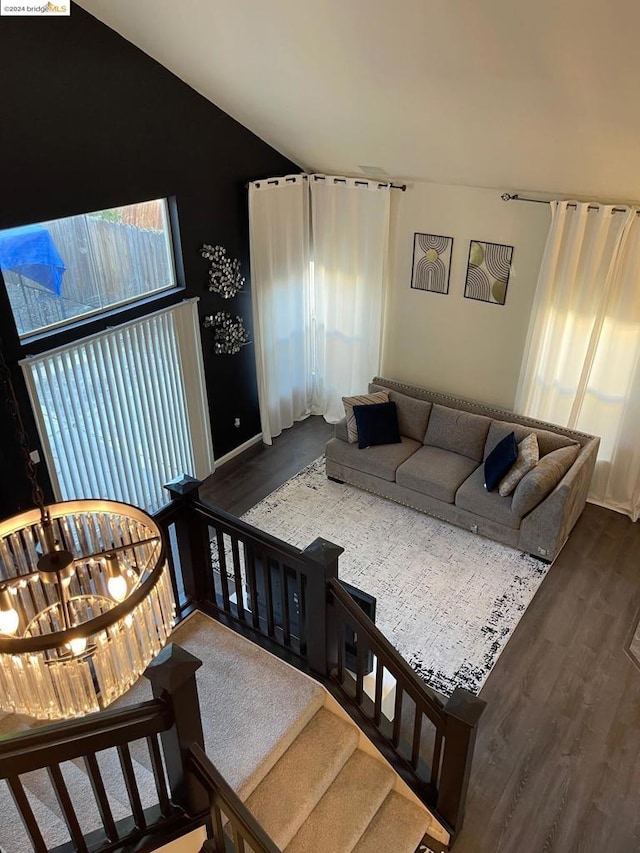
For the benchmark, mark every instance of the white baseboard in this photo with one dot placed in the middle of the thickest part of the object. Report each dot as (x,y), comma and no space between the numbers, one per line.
(238,450)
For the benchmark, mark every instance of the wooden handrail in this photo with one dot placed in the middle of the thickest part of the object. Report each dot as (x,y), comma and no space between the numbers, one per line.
(248,531)
(389,655)
(64,741)
(219,789)
(251,562)
(167,514)
(443,778)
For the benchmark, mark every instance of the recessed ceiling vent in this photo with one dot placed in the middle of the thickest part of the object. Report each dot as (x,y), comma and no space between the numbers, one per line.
(374,171)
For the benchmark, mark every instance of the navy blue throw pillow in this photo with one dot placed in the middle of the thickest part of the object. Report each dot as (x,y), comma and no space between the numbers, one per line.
(377,424)
(498,462)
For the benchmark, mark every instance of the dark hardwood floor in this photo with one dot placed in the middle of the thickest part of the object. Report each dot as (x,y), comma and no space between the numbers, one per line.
(557,763)
(248,478)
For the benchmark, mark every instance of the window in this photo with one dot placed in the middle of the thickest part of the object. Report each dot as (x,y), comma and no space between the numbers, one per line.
(60,271)
(122,412)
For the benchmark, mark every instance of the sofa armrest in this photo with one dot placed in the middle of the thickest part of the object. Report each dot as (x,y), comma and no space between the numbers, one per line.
(546,528)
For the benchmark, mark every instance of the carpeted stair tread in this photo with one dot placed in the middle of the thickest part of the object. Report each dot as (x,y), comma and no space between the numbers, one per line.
(246,721)
(295,784)
(344,812)
(399,826)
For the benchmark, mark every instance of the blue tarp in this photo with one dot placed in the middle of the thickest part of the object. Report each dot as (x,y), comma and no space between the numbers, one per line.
(30,251)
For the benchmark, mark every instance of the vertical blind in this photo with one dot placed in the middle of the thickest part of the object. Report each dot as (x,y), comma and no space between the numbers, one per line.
(125,411)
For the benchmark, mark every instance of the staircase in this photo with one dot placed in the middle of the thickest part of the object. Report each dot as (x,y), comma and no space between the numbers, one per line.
(327,794)
(303,769)
(319,786)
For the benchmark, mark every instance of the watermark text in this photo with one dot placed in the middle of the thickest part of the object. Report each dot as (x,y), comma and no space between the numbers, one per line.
(34,9)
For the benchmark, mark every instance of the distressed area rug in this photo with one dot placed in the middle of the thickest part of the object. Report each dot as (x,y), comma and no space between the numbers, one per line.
(447,599)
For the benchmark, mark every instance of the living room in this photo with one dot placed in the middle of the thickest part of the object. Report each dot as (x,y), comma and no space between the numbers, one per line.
(107,125)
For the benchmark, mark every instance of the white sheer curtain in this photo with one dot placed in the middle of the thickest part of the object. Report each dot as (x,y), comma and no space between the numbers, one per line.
(318,267)
(581,366)
(279,243)
(350,252)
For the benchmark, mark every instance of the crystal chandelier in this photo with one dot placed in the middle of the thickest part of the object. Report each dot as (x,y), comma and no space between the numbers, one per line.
(85,604)
(86,600)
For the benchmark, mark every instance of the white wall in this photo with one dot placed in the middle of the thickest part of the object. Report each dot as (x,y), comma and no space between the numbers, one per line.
(449,343)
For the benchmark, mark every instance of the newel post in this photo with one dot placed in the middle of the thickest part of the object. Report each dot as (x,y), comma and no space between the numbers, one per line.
(325,555)
(172,677)
(463,712)
(192,539)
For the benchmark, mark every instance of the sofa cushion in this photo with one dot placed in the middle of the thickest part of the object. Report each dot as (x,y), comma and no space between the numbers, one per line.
(528,456)
(547,440)
(435,472)
(498,462)
(377,424)
(460,432)
(413,415)
(360,400)
(473,497)
(543,479)
(379,461)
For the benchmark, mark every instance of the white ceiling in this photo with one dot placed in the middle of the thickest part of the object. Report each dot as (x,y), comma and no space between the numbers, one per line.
(538,95)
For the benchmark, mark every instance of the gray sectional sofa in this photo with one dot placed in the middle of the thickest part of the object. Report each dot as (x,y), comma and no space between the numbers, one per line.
(438,468)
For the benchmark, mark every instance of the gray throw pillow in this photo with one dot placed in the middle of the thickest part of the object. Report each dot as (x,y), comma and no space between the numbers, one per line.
(543,479)
(361,400)
(413,415)
(547,441)
(528,456)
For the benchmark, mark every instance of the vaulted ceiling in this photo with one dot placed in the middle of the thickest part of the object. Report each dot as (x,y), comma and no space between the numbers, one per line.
(539,96)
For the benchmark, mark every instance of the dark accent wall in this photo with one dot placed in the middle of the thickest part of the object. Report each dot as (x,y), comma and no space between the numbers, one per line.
(87,122)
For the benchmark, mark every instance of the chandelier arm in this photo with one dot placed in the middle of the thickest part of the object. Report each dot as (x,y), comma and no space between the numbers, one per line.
(57,639)
(63,598)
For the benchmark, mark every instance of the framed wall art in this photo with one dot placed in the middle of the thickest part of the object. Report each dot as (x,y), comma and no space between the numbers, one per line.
(431,262)
(488,271)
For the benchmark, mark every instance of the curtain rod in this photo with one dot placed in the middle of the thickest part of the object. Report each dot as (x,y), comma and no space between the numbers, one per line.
(357,181)
(516,197)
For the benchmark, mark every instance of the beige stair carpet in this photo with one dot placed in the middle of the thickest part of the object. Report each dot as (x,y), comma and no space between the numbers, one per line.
(312,798)
(294,785)
(253,705)
(342,815)
(397,827)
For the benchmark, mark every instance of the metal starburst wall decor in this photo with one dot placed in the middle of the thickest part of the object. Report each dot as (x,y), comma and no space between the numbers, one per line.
(229,333)
(225,277)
